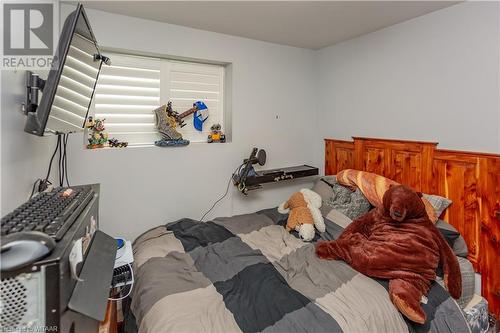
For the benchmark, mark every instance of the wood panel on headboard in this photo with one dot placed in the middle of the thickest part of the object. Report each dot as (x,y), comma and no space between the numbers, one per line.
(471,180)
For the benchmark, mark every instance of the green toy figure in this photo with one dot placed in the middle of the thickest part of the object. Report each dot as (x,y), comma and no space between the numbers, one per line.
(97,137)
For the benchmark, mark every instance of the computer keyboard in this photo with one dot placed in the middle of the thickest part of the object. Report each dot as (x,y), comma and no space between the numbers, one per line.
(49,212)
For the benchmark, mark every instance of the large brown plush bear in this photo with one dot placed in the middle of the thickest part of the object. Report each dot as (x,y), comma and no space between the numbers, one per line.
(397,241)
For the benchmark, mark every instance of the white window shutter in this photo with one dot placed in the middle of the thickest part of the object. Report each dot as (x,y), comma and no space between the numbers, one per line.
(191,82)
(127,92)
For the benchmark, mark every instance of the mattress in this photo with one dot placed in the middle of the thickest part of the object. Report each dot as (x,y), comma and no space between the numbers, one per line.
(248,274)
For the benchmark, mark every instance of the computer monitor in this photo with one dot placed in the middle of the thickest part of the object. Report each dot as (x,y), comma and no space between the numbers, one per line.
(67,93)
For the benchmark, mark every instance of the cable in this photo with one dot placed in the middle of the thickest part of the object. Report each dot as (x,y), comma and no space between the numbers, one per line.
(61,148)
(52,159)
(34,186)
(61,171)
(225,193)
(64,163)
(43,184)
(123,297)
(66,160)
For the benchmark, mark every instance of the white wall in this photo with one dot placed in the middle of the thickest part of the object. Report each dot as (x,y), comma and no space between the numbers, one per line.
(24,157)
(145,187)
(435,77)
(431,78)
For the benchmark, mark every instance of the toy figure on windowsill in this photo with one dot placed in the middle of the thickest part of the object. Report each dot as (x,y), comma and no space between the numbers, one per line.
(165,121)
(117,144)
(216,134)
(97,137)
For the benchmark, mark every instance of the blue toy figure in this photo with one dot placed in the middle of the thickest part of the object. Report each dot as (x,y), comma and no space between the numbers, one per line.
(200,115)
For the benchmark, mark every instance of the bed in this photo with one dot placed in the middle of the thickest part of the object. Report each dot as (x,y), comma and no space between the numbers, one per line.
(470,179)
(247,274)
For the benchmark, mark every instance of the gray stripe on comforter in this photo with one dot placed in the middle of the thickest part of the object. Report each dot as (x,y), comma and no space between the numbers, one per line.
(222,261)
(163,276)
(311,276)
(308,319)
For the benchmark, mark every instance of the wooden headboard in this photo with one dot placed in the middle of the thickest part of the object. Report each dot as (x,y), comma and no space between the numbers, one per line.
(471,180)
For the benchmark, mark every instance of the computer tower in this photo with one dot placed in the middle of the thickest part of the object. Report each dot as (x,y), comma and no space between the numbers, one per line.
(37,296)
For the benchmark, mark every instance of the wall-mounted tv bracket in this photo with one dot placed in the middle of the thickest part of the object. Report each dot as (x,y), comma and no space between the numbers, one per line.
(34,85)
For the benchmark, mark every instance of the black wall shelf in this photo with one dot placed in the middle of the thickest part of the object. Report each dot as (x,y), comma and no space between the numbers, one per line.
(281,174)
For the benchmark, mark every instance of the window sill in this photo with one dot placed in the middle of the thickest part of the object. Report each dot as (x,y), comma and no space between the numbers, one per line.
(153,146)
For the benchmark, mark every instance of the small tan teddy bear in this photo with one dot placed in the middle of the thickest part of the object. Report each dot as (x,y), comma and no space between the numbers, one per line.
(303,207)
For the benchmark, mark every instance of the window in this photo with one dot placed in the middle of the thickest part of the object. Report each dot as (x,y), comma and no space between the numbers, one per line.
(130,89)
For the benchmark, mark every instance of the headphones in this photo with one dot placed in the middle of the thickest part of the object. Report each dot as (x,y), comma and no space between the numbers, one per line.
(256,156)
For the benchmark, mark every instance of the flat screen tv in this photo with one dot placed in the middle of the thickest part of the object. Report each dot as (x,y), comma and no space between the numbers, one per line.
(68,90)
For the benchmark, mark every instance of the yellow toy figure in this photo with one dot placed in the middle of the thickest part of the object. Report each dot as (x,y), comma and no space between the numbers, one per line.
(216,135)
